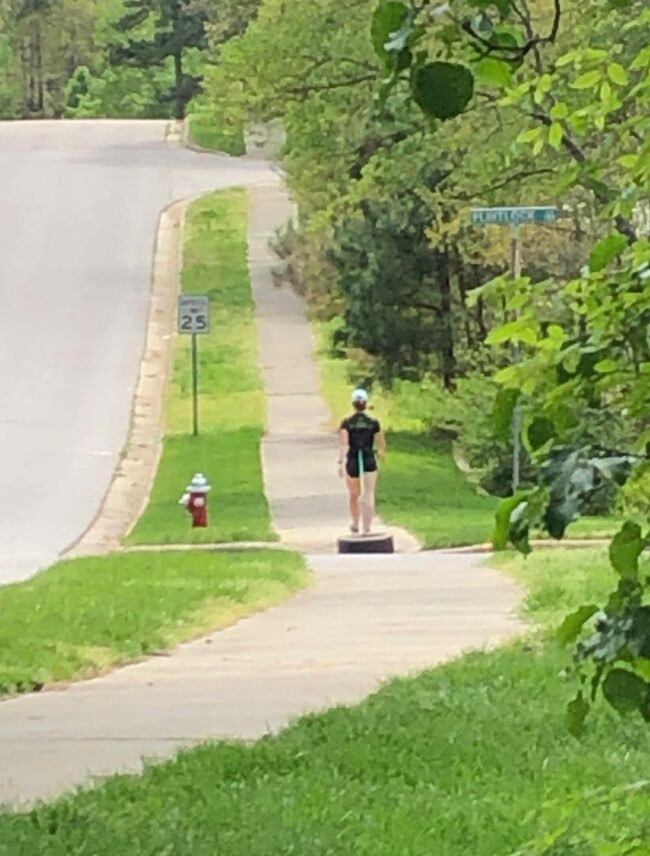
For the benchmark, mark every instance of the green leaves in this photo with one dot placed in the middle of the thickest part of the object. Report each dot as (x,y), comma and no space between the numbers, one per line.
(387,19)
(501,534)
(555,135)
(493,72)
(626,691)
(503,6)
(617,74)
(559,111)
(516,516)
(572,625)
(504,405)
(606,251)
(625,549)
(520,331)
(576,714)
(539,432)
(588,80)
(442,90)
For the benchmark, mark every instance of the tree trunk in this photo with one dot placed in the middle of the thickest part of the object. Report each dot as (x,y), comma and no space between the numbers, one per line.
(480,305)
(447,355)
(179,99)
(462,293)
(40,91)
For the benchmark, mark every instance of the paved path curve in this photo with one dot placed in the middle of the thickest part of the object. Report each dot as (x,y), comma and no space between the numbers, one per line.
(79,207)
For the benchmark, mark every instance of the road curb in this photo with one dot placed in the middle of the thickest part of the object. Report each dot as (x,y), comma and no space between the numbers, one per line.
(134,475)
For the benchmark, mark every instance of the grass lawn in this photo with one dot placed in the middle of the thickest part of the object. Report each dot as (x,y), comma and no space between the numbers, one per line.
(231,395)
(470,759)
(423,490)
(205,131)
(85,615)
(558,580)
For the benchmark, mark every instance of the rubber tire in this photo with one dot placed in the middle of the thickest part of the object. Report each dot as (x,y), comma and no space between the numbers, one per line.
(366,544)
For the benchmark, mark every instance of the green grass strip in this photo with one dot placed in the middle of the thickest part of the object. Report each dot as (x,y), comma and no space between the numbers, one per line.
(231,394)
(423,490)
(205,131)
(84,616)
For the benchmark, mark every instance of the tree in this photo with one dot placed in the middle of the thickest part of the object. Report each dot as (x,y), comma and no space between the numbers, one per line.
(9,69)
(591,103)
(157,30)
(29,18)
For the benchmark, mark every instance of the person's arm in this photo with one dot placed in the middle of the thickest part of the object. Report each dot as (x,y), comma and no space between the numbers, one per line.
(344,445)
(381,444)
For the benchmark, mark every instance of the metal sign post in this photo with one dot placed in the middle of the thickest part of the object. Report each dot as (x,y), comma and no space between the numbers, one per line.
(194,319)
(514,217)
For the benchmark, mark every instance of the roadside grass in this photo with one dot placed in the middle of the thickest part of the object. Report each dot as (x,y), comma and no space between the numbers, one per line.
(205,131)
(84,616)
(469,758)
(556,581)
(231,395)
(421,488)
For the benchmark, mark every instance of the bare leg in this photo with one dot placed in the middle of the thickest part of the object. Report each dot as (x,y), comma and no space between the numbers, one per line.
(354,489)
(368,510)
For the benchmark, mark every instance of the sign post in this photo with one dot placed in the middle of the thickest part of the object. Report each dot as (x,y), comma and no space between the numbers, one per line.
(194,320)
(514,217)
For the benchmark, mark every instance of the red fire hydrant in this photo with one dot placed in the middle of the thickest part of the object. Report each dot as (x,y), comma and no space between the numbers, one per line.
(195,499)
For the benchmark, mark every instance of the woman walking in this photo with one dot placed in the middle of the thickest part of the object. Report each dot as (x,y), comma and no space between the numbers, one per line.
(357,451)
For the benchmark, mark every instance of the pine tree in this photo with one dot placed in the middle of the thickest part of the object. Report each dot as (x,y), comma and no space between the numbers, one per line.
(177,26)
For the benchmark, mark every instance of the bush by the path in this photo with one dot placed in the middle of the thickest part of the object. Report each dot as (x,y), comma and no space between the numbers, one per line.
(232,399)
(85,615)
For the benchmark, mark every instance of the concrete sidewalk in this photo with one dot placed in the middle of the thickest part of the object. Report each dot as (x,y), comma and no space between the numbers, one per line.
(307,497)
(364,620)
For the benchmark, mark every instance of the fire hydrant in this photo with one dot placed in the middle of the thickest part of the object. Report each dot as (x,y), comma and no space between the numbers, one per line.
(195,499)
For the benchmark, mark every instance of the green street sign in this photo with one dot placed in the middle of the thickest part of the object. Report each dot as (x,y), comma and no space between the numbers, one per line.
(514,216)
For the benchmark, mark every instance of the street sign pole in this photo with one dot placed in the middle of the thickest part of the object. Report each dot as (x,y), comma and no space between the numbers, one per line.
(195,386)
(514,217)
(515,268)
(194,319)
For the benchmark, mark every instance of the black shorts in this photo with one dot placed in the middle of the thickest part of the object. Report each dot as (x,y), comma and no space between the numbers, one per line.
(369,461)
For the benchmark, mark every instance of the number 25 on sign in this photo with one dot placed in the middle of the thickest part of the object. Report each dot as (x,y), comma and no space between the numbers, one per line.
(194,320)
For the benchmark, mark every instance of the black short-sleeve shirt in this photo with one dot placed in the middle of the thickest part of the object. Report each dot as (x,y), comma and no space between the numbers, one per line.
(361,430)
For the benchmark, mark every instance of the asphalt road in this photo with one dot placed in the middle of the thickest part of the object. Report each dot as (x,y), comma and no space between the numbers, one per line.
(79,207)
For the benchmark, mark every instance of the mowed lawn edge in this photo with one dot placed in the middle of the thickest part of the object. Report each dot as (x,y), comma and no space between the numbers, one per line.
(470,757)
(232,405)
(85,616)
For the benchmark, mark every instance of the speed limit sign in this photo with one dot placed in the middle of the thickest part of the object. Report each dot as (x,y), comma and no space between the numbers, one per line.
(193,314)
(194,320)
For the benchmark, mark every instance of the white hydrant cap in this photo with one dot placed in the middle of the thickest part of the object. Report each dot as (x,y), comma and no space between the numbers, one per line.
(199,484)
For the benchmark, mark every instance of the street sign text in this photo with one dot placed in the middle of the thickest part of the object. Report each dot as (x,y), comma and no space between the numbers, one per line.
(514,216)
(193,314)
